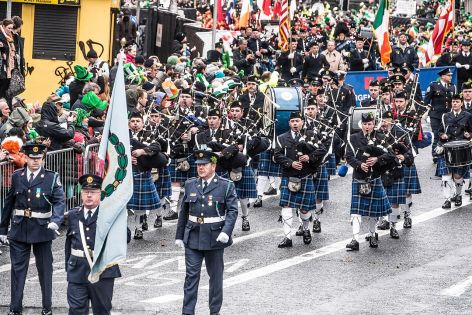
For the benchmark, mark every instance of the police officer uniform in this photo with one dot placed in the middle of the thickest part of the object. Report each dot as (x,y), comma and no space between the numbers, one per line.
(463,62)
(83,224)
(369,102)
(34,209)
(438,95)
(207,217)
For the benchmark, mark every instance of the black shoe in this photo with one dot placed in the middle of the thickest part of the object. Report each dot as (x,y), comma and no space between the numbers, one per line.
(384,225)
(299,232)
(394,233)
(453,199)
(280,219)
(446,205)
(458,201)
(407,223)
(138,234)
(410,204)
(306,237)
(258,202)
(468,191)
(15,313)
(145,226)
(245,225)
(46,312)
(171,216)
(373,242)
(286,242)
(367,238)
(158,222)
(215,313)
(271,191)
(353,245)
(316,226)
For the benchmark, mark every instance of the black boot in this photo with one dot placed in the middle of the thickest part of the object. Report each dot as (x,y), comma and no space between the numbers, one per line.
(271,191)
(394,233)
(458,201)
(316,226)
(446,205)
(46,312)
(353,245)
(306,237)
(299,232)
(384,225)
(158,222)
(407,221)
(245,224)
(373,242)
(138,234)
(286,242)
(171,216)
(258,202)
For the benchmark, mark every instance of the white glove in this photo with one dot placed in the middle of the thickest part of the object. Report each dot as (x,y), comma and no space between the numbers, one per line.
(467,67)
(366,65)
(293,70)
(458,65)
(345,53)
(180,243)
(365,60)
(291,55)
(53,226)
(439,149)
(223,238)
(4,239)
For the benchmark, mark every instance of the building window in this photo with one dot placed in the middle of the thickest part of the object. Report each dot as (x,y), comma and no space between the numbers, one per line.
(15,10)
(55,32)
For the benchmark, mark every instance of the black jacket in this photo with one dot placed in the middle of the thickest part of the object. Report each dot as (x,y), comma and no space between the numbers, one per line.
(463,74)
(49,127)
(355,61)
(408,56)
(440,98)
(239,60)
(313,65)
(454,127)
(285,64)
(75,90)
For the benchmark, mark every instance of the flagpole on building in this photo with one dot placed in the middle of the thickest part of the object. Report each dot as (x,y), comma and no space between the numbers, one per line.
(213,29)
(9,9)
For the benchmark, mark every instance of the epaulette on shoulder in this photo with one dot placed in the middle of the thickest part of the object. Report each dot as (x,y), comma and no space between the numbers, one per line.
(20,170)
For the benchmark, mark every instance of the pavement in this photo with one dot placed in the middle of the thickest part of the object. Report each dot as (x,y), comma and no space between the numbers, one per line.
(426,271)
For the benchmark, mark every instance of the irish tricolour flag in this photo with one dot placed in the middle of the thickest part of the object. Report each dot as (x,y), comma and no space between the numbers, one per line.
(381,32)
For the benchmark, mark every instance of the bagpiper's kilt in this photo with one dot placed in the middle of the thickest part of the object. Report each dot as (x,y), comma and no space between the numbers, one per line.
(163,183)
(145,195)
(375,205)
(321,184)
(246,187)
(396,192)
(331,165)
(267,167)
(412,182)
(179,176)
(304,199)
(442,169)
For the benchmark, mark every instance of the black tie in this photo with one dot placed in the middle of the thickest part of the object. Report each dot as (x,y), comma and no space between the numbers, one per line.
(31,179)
(205,184)
(89,217)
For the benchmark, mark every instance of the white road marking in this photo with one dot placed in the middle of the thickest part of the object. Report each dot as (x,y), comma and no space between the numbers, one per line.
(320,252)
(144,261)
(459,288)
(240,239)
(236,265)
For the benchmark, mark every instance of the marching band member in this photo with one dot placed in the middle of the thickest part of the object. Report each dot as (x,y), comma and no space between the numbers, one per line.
(369,199)
(299,161)
(455,125)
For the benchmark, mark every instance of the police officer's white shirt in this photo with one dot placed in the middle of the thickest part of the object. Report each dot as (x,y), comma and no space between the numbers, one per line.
(208,181)
(86,212)
(35,173)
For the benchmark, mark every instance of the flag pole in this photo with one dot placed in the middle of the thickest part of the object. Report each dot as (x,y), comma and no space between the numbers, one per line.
(213,29)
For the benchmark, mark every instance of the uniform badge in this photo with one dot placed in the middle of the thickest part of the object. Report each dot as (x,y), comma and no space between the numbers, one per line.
(210,200)
(35,149)
(58,181)
(193,194)
(90,179)
(38,192)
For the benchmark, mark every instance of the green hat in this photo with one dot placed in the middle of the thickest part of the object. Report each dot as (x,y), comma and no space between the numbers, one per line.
(92,101)
(81,73)
(81,115)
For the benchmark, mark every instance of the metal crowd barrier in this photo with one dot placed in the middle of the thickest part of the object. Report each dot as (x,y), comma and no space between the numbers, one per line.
(67,163)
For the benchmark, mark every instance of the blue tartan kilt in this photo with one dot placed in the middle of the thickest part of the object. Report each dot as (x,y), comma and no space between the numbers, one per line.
(321,184)
(267,167)
(246,187)
(442,169)
(304,199)
(412,182)
(396,192)
(331,165)
(163,183)
(179,176)
(375,205)
(145,195)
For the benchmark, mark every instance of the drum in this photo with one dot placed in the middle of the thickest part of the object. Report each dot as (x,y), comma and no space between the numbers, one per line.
(279,103)
(458,153)
(356,116)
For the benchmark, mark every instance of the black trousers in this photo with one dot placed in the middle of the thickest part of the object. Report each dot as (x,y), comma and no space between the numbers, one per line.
(435,125)
(99,293)
(214,266)
(20,256)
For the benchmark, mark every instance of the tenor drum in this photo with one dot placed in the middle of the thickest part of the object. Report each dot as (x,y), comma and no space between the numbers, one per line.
(356,116)
(279,103)
(458,153)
